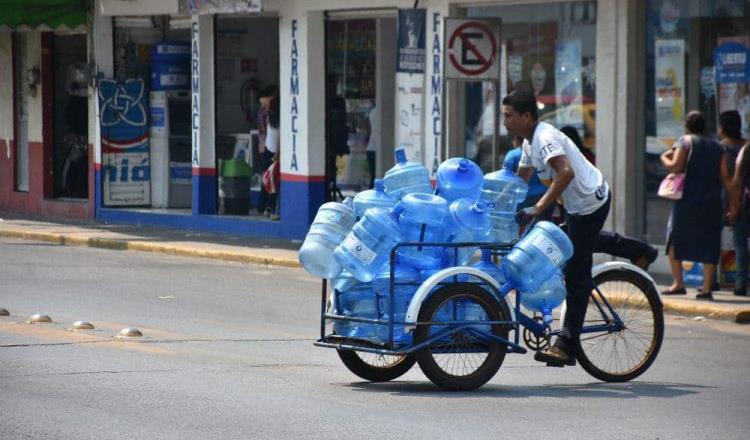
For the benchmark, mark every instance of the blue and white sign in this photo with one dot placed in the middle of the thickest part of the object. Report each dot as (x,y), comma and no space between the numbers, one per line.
(411,40)
(125,143)
(731,63)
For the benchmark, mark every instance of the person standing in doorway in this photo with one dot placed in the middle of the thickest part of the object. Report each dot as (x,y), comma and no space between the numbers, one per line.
(272,146)
(373,141)
(586,199)
(264,155)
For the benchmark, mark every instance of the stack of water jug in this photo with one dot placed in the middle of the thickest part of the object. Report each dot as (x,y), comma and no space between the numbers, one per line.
(351,242)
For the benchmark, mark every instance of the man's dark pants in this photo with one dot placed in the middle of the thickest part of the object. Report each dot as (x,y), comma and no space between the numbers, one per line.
(583,231)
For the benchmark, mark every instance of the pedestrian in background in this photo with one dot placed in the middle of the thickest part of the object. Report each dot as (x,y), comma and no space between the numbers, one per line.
(373,141)
(730,135)
(272,146)
(694,227)
(264,155)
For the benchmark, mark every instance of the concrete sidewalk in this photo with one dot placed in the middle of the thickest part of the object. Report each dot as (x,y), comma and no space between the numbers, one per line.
(267,251)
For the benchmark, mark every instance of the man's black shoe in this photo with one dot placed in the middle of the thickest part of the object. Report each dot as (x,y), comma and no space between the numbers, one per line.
(645,260)
(555,357)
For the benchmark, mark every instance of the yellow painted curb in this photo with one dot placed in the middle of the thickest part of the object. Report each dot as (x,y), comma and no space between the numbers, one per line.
(104,243)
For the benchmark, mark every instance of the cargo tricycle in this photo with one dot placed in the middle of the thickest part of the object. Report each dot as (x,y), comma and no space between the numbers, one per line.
(460,322)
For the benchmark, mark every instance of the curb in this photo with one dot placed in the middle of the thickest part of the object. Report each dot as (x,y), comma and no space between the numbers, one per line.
(124,245)
(670,306)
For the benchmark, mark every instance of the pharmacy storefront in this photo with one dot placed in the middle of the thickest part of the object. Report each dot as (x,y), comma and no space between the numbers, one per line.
(357,78)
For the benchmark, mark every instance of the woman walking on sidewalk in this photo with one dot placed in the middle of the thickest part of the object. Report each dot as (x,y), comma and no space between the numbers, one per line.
(694,227)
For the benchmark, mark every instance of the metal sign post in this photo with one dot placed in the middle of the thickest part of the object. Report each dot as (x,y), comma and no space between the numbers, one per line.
(472,53)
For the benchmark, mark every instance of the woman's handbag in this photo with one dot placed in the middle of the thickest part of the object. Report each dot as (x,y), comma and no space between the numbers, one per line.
(271,178)
(672,186)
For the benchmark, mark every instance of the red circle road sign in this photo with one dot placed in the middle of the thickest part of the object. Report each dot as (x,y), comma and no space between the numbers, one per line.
(485,60)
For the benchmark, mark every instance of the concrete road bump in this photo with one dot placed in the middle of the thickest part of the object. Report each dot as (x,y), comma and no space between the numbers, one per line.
(39,319)
(129,333)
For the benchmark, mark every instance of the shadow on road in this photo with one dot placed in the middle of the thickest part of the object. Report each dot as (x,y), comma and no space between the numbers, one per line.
(630,390)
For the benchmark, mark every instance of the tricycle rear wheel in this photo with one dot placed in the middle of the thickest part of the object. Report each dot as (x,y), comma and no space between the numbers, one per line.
(376,367)
(464,360)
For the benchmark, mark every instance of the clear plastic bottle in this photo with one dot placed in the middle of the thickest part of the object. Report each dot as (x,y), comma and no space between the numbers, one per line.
(458,178)
(331,224)
(406,177)
(372,198)
(368,246)
(355,299)
(502,191)
(487,266)
(422,219)
(537,256)
(547,297)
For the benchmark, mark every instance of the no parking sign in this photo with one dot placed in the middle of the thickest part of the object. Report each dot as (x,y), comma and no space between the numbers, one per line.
(472,48)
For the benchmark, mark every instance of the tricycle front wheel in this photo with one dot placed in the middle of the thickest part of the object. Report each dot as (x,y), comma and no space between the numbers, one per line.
(376,367)
(462,359)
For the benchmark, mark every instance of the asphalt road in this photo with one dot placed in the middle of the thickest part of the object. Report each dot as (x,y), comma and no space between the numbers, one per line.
(228,353)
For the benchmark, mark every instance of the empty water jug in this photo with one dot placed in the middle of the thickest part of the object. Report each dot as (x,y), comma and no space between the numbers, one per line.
(459,178)
(331,224)
(468,221)
(504,227)
(547,297)
(503,190)
(372,198)
(536,257)
(405,283)
(355,299)
(406,177)
(368,245)
(422,219)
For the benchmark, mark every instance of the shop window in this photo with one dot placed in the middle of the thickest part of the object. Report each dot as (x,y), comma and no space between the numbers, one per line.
(24,85)
(351,53)
(70,150)
(683,39)
(247,66)
(547,48)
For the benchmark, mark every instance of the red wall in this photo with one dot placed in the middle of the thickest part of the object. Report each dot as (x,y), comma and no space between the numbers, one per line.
(34,202)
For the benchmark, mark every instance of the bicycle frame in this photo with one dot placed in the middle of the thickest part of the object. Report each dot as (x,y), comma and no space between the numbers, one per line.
(612,321)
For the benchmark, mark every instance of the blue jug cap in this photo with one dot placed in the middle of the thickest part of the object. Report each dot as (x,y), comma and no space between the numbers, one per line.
(400,154)
(379,185)
(463,165)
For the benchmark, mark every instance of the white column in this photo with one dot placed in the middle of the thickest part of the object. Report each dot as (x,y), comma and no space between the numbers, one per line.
(433,108)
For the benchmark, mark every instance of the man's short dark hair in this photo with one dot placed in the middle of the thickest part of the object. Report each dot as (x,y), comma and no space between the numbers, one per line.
(522,102)
(731,123)
(695,122)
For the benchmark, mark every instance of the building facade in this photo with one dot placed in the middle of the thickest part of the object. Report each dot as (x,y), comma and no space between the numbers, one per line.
(587,61)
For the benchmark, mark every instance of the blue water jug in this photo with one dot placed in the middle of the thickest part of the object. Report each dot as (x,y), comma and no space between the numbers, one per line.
(504,227)
(468,221)
(406,177)
(547,297)
(459,178)
(372,198)
(503,190)
(368,245)
(487,266)
(358,300)
(405,283)
(331,224)
(422,219)
(537,256)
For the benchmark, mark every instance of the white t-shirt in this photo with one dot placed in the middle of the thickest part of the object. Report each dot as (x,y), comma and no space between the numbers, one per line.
(272,139)
(588,190)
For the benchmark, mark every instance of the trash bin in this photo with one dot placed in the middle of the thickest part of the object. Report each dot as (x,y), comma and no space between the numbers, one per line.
(234,187)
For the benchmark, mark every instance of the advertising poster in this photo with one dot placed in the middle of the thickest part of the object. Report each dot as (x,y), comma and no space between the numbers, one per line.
(126,175)
(669,88)
(568,85)
(732,77)
(409,98)
(411,40)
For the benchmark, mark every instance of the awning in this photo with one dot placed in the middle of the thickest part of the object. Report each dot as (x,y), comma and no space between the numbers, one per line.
(43,14)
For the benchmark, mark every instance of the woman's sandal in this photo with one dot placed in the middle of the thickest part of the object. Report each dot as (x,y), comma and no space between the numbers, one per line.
(679,291)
